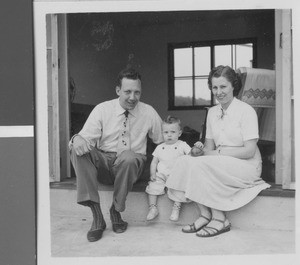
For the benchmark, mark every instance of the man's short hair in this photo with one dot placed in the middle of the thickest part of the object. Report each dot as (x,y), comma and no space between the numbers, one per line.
(129,73)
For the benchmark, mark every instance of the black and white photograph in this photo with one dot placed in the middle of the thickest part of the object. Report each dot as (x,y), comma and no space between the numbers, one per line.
(162,132)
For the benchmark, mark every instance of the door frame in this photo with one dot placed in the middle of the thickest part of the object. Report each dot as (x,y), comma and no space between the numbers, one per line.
(58,97)
(285,161)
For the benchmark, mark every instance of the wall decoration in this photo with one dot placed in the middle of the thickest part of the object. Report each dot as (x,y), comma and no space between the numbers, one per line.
(102,35)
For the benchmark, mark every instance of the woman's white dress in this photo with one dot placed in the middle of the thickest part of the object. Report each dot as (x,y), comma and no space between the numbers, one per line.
(221,182)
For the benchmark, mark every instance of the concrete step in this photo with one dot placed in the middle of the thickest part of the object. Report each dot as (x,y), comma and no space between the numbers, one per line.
(264,212)
(264,226)
(260,213)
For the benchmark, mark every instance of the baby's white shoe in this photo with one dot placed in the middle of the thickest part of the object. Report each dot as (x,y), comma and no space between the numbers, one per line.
(175,212)
(153,212)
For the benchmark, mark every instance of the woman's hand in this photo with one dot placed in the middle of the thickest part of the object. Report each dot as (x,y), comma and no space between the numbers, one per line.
(199,145)
(197,149)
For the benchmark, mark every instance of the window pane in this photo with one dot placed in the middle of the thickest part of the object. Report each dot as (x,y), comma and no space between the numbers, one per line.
(203,95)
(202,60)
(183,62)
(183,93)
(223,55)
(244,55)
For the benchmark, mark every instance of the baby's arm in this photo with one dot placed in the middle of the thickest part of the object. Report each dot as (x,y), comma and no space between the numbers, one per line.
(153,168)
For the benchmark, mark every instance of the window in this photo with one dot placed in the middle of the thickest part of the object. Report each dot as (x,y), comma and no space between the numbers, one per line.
(190,63)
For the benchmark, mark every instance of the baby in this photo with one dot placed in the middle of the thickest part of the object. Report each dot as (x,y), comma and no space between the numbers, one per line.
(164,157)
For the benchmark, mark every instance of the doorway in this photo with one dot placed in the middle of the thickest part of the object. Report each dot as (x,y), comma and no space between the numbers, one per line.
(58,96)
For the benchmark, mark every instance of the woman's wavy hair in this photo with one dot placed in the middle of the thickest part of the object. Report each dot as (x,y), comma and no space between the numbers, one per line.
(229,74)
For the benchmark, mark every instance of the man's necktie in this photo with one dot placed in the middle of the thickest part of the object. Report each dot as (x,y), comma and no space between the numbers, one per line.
(124,135)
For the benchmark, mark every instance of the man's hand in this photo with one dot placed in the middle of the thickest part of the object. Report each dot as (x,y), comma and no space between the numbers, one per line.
(81,146)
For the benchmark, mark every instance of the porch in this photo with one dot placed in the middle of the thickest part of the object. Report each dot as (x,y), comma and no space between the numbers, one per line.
(265,226)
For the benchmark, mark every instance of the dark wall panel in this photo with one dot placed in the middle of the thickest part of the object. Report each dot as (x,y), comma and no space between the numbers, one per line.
(17,166)
(141,39)
(16,63)
(17,196)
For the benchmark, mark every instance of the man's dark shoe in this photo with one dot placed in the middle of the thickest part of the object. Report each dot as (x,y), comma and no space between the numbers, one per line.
(95,235)
(118,225)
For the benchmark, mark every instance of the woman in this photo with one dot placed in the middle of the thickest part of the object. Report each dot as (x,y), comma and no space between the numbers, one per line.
(227,175)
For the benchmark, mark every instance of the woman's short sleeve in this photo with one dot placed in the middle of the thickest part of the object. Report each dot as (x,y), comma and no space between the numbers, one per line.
(208,134)
(249,124)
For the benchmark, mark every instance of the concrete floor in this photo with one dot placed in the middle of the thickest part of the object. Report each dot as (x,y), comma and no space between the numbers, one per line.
(264,226)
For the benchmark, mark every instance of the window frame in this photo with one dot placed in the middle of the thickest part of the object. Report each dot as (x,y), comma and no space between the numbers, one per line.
(211,44)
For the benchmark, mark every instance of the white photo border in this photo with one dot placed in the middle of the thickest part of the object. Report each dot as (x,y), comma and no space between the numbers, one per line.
(40,9)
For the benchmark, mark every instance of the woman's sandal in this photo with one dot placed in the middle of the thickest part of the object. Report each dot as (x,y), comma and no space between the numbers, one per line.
(211,231)
(192,227)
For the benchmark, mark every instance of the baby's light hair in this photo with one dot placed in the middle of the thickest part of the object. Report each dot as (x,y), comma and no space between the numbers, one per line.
(172,120)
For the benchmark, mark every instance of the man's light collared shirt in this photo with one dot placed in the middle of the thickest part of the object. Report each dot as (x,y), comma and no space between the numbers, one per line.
(103,125)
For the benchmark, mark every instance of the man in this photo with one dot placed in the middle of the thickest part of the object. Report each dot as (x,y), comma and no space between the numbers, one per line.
(111,149)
